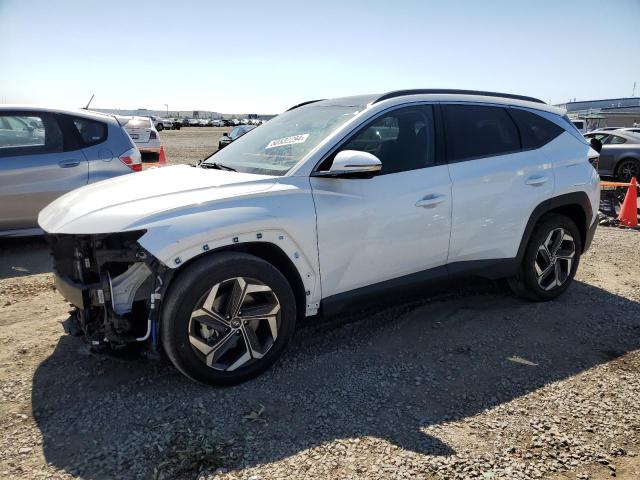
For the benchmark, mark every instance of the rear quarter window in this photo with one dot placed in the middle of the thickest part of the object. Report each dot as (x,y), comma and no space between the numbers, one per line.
(91,132)
(534,130)
(616,140)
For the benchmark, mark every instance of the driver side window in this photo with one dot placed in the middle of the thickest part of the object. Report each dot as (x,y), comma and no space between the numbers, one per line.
(402,139)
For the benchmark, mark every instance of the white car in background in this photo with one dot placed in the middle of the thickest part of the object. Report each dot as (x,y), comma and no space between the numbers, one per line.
(144,134)
(157,122)
(167,123)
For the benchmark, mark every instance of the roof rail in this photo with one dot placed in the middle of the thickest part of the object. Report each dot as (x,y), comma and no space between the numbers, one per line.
(305,103)
(418,91)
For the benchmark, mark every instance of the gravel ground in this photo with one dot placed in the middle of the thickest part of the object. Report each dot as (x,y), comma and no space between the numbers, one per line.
(191,144)
(474,383)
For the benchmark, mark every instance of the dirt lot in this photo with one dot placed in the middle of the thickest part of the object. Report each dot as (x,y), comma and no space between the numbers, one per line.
(191,144)
(474,383)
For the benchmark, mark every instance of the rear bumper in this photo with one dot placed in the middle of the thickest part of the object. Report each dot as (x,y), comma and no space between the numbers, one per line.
(146,149)
(591,231)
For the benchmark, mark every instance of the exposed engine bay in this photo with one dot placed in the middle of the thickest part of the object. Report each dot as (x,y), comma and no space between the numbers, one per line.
(115,285)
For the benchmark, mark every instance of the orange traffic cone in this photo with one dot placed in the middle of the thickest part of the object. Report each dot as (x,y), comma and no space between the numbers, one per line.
(162,159)
(629,212)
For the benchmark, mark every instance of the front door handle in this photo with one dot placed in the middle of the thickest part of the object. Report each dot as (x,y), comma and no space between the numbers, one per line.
(430,201)
(537,181)
(69,163)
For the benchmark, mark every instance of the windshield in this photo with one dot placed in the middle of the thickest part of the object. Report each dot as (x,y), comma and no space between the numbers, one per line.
(276,146)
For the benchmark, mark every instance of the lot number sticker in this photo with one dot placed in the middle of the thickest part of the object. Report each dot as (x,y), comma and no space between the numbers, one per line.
(279,142)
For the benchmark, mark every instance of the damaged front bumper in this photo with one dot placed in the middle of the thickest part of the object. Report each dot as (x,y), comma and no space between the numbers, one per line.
(114,284)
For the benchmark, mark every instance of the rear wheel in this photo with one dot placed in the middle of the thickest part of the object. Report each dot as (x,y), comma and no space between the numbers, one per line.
(160,127)
(550,260)
(227,318)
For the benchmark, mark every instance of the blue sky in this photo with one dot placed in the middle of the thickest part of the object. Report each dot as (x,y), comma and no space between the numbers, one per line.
(264,56)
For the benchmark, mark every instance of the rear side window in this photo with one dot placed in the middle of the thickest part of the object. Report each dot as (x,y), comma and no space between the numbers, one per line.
(29,134)
(474,131)
(91,132)
(535,130)
(615,140)
(597,136)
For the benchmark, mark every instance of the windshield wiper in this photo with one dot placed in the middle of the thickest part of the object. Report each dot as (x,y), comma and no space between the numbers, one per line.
(219,166)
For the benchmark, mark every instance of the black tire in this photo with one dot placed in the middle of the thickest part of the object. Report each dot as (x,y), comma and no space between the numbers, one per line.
(192,284)
(525,283)
(160,127)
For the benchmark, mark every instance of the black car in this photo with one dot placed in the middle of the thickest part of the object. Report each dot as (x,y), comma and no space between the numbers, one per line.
(237,132)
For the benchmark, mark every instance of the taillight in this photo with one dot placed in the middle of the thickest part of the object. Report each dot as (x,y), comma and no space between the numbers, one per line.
(152,135)
(132,159)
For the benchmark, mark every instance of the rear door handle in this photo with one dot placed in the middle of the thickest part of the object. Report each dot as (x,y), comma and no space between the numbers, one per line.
(537,181)
(69,163)
(430,201)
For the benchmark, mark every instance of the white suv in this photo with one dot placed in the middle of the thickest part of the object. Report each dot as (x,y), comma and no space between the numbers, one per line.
(327,204)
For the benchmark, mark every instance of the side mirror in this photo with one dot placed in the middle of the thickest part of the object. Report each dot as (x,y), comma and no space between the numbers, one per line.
(353,164)
(225,134)
(596,144)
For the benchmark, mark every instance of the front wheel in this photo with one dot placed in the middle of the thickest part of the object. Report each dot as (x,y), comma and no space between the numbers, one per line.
(227,318)
(550,261)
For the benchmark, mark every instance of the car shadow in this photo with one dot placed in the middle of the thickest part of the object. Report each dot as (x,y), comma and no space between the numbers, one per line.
(24,256)
(389,375)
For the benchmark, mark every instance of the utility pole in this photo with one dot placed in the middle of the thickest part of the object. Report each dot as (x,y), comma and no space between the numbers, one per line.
(167,105)
(633,93)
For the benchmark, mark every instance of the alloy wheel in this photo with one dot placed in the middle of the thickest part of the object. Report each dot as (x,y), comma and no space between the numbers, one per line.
(554,259)
(628,169)
(235,323)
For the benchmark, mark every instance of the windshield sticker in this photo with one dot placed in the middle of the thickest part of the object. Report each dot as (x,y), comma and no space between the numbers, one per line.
(279,142)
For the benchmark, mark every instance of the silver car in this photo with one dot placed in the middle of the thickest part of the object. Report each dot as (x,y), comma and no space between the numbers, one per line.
(620,154)
(45,153)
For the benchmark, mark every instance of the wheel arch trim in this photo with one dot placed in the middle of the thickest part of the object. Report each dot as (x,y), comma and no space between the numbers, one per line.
(564,204)
(288,256)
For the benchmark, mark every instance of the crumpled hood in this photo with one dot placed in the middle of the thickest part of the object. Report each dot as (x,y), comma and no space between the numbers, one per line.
(128,202)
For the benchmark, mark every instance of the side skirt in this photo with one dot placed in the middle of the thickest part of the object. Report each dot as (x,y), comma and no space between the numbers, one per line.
(416,285)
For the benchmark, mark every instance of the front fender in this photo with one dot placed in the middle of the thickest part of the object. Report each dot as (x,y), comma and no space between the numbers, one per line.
(187,237)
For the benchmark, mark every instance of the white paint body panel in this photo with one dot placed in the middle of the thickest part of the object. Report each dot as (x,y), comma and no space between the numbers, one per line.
(572,172)
(492,203)
(340,234)
(128,203)
(370,230)
(185,208)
